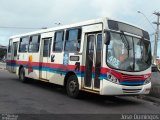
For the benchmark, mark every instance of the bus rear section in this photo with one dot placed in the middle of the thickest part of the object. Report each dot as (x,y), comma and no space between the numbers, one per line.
(12,50)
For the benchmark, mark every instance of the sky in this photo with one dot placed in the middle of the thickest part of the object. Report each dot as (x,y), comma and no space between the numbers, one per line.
(36,14)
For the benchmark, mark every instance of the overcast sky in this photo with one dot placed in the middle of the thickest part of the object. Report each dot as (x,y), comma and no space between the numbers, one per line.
(45,13)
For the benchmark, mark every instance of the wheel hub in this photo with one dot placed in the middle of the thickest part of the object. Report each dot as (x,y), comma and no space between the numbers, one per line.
(72,86)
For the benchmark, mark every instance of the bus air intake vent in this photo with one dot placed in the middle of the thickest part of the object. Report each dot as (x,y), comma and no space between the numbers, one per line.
(131,90)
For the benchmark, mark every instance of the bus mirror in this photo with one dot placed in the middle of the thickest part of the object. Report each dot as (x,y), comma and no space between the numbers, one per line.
(107,38)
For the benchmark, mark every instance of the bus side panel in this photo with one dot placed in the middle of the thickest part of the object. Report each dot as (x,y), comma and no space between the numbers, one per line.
(57,73)
(23,62)
(33,65)
(75,63)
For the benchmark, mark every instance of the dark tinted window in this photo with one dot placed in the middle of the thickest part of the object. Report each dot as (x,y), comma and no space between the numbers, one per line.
(58,41)
(99,42)
(34,43)
(47,47)
(114,25)
(73,39)
(15,46)
(9,46)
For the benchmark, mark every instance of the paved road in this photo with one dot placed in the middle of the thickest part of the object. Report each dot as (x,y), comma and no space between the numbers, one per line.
(2,65)
(38,97)
(155,91)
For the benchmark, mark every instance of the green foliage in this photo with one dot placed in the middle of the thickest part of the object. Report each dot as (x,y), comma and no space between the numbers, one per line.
(3,53)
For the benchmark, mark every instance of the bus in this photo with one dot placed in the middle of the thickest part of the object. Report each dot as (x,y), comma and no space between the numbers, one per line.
(101,56)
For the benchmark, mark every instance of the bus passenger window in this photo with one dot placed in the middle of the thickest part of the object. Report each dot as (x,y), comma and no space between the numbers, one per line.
(23,47)
(34,43)
(9,46)
(73,40)
(58,41)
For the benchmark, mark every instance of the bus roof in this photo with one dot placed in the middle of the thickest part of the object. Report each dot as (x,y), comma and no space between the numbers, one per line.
(88,22)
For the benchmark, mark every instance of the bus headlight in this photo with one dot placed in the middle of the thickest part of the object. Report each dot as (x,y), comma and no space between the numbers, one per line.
(148,80)
(113,79)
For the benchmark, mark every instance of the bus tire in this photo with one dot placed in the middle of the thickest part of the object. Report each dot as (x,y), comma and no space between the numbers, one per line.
(72,87)
(22,75)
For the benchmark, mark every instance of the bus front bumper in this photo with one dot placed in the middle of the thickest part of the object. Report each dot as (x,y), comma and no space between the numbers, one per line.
(109,88)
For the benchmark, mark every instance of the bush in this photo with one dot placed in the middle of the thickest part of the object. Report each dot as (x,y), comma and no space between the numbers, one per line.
(3,53)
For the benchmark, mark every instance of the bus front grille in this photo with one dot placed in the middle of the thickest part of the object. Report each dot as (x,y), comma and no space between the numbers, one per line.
(131,90)
(132,77)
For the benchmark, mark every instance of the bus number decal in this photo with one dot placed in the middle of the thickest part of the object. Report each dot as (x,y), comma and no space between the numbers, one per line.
(113,61)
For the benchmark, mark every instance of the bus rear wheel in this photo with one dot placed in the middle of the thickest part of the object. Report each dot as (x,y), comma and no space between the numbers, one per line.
(22,75)
(72,87)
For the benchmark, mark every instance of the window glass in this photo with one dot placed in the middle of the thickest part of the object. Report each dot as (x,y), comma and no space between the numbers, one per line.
(73,35)
(59,36)
(9,46)
(99,42)
(58,41)
(47,47)
(24,44)
(73,38)
(15,46)
(120,50)
(142,54)
(128,53)
(34,43)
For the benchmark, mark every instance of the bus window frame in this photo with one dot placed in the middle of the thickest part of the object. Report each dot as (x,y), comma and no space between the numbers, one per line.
(79,38)
(30,38)
(133,36)
(9,50)
(54,41)
(20,44)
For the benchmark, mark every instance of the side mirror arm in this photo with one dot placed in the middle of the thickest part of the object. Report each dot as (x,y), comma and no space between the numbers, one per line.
(107,38)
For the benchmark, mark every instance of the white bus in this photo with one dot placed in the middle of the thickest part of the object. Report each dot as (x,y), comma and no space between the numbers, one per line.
(101,56)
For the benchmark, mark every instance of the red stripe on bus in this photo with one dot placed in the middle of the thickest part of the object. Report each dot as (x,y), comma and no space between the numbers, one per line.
(120,76)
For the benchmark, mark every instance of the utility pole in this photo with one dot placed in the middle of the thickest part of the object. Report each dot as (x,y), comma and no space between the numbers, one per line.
(156,36)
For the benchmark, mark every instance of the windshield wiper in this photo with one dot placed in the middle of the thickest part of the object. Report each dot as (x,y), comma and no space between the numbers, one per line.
(141,47)
(126,44)
(125,40)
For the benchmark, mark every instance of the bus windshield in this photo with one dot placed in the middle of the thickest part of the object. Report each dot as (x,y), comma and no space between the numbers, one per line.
(128,53)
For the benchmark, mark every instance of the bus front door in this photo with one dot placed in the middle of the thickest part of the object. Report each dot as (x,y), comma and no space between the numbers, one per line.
(93,61)
(45,55)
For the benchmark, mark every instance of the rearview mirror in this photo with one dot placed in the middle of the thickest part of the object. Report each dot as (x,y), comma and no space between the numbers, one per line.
(107,38)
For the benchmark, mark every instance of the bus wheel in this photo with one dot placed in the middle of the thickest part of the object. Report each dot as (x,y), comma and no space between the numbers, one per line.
(22,75)
(72,86)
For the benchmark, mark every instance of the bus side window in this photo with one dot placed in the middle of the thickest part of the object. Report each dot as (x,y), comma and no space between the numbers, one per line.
(34,43)
(23,45)
(73,40)
(58,41)
(9,46)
